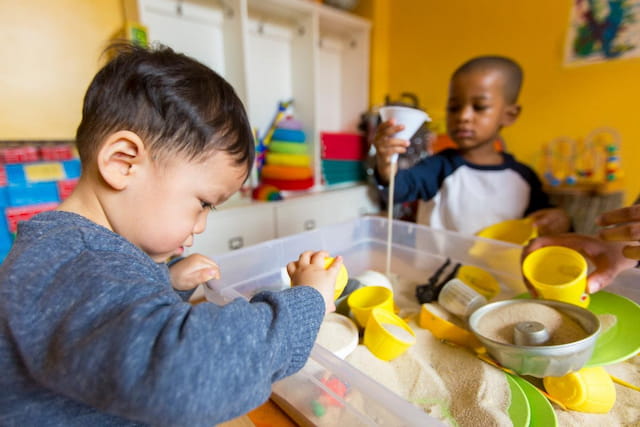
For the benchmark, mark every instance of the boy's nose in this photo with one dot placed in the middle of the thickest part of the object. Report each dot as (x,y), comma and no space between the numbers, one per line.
(466,113)
(201,223)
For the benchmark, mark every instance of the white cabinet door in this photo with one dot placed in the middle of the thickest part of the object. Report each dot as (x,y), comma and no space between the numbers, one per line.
(234,228)
(326,208)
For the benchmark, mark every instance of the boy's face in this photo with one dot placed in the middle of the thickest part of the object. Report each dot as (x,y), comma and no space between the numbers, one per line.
(171,200)
(477,108)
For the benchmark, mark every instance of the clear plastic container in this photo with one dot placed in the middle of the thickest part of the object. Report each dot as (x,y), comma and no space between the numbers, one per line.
(417,251)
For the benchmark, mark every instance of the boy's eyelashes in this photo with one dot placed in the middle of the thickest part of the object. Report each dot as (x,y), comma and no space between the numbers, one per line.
(207,205)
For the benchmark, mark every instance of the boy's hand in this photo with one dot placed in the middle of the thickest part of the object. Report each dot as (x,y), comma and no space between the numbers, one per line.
(193,270)
(309,270)
(387,145)
(551,221)
(607,257)
(623,226)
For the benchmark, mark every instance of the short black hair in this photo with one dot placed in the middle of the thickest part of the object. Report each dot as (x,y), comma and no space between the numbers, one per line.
(509,68)
(173,102)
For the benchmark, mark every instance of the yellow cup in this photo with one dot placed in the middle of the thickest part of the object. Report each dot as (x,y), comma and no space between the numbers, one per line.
(341,280)
(498,256)
(363,300)
(480,280)
(586,390)
(558,273)
(386,335)
(518,231)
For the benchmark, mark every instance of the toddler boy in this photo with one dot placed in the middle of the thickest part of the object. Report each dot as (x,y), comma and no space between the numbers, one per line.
(92,330)
(474,186)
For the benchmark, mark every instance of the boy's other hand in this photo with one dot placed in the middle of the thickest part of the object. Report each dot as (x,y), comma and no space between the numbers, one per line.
(551,221)
(387,145)
(193,270)
(607,258)
(309,270)
(623,225)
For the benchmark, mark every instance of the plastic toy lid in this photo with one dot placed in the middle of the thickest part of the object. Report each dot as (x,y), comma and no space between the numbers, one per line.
(338,334)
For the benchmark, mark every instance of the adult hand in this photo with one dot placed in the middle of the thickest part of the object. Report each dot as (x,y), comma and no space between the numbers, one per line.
(623,225)
(386,146)
(551,221)
(193,270)
(607,257)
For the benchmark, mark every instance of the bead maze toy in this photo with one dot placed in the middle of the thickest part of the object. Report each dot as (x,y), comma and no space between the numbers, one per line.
(592,164)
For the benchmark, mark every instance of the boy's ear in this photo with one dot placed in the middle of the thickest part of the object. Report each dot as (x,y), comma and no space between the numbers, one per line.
(511,114)
(119,158)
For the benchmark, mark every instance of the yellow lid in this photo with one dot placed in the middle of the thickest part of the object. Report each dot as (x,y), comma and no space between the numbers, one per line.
(586,390)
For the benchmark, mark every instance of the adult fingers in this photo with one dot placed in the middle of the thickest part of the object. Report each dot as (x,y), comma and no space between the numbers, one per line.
(622,233)
(599,278)
(631,251)
(620,216)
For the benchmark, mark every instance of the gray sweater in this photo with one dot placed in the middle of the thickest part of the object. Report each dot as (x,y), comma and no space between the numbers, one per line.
(93,334)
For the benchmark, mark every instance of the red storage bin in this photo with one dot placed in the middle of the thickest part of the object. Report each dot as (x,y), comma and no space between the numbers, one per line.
(23,213)
(23,154)
(343,146)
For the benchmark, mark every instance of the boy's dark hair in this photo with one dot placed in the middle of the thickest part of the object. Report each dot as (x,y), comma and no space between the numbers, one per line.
(510,69)
(174,103)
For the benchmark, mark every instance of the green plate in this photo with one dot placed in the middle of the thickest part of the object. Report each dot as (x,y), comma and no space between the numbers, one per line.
(622,340)
(519,410)
(542,413)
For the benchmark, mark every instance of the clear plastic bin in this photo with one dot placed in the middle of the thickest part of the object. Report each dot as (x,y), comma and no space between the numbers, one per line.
(417,251)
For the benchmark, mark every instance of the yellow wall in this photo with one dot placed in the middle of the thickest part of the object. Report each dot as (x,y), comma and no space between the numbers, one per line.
(49,53)
(428,39)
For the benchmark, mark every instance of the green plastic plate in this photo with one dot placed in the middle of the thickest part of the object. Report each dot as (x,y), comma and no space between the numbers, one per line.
(519,410)
(622,340)
(542,413)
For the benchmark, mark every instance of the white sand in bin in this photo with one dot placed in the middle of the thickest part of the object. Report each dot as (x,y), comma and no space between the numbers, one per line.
(451,384)
(448,382)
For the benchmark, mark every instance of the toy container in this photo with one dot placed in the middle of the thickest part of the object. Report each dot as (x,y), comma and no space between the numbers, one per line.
(417,251)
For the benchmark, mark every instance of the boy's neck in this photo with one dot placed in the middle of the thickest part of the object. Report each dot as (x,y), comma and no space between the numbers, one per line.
(84,201)
(484,154)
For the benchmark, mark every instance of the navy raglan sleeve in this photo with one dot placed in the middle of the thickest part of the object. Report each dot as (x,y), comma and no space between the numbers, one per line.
(538,198)
(420,182)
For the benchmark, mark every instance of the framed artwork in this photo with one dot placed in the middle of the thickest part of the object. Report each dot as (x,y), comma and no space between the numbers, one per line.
(602,30)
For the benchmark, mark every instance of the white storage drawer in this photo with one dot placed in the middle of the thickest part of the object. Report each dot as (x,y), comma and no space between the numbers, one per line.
(330,207)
